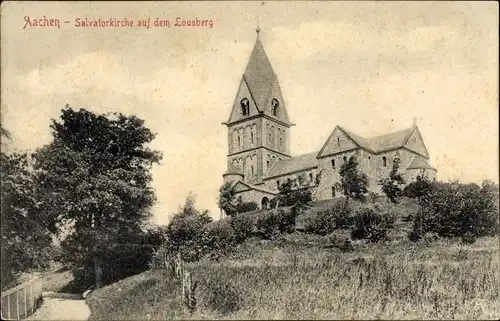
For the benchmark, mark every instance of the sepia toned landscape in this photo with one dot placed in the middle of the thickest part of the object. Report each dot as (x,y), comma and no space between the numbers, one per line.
(249,161)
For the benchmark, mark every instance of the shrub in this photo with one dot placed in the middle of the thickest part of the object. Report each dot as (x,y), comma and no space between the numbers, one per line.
(325,222)
(372,223)
(244,207)
(417,189)
(243,227)
(218,237)
(286,219)
(185,230)
(292,192)
(267,225)
(454,209)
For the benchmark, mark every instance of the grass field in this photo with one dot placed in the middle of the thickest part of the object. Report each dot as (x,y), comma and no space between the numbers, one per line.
(296,277)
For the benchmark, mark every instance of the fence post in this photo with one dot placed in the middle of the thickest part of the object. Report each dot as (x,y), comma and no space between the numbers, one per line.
(25,306)
(8,306)
(17,304)
(32,299)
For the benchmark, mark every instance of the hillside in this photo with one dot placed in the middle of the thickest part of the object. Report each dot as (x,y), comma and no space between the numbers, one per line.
(297,276)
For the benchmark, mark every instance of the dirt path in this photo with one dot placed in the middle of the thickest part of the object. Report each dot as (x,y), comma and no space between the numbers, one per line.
(62,306)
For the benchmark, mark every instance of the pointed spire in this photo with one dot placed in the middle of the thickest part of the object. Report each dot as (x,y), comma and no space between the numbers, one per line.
(259,74)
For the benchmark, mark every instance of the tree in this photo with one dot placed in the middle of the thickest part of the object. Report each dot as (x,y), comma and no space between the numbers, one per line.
(392,185)
(227,199)
(418,189)
(353,182)
(95,176)
(294,191)
(26,242)
(184,232)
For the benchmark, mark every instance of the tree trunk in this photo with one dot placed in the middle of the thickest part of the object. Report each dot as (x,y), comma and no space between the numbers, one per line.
(97,273)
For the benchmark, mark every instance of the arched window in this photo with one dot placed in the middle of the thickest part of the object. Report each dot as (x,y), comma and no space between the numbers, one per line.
(275,106)
(267,163)
(245,106)
(345,159)
(270,138)
(278,184)
(251,170)
(239,141)
(251,137)
(333,191)
(333,163)
(384,160)
(310,177)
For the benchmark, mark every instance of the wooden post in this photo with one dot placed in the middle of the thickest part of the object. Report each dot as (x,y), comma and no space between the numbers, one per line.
(25,302)
(183,289)
(32,299)
(17,304)
(8,306)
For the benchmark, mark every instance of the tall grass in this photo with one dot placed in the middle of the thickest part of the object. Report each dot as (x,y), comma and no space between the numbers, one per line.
(296,279)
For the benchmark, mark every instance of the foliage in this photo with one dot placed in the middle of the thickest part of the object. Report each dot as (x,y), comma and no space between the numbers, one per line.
(231,205)
(418,189)
(274,222)
(372,223)
(95,176)
(274,280)
(244,207)
(454,209)
(218,238)
(26,241)
(267,225)
(325,222)
(293,191)
(243,226)
(392,186)
(227,200)
(184,233)
(353,182)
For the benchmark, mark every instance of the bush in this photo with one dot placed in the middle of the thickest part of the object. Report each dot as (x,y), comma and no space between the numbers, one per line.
(218,237)
(417,189)
(372,223)
(325,222)
(184,233)
(244,207)
(268,225)
(454,209)
(243,227)
(286,219)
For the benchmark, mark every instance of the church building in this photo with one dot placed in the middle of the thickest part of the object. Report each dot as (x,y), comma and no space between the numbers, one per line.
(259,159)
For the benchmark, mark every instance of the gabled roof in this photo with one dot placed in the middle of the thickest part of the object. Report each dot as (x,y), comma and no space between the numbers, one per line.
(257,188)
(294,164)
(383,142)
(259,75)
(418,162)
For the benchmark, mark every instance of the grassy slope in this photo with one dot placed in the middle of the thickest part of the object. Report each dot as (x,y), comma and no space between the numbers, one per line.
(294,277)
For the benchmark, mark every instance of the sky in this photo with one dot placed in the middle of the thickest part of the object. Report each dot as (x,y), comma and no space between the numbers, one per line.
(368,66)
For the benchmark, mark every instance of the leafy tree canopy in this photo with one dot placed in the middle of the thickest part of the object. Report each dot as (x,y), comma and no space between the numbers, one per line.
(95,175)
(353,182)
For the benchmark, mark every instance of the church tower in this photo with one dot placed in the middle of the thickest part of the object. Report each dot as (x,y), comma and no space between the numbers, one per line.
(258,125)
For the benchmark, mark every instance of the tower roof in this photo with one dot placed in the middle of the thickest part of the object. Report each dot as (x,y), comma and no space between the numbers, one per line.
(259,75)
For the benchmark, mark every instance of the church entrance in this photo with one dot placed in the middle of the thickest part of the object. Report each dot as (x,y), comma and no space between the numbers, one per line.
(264,203)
